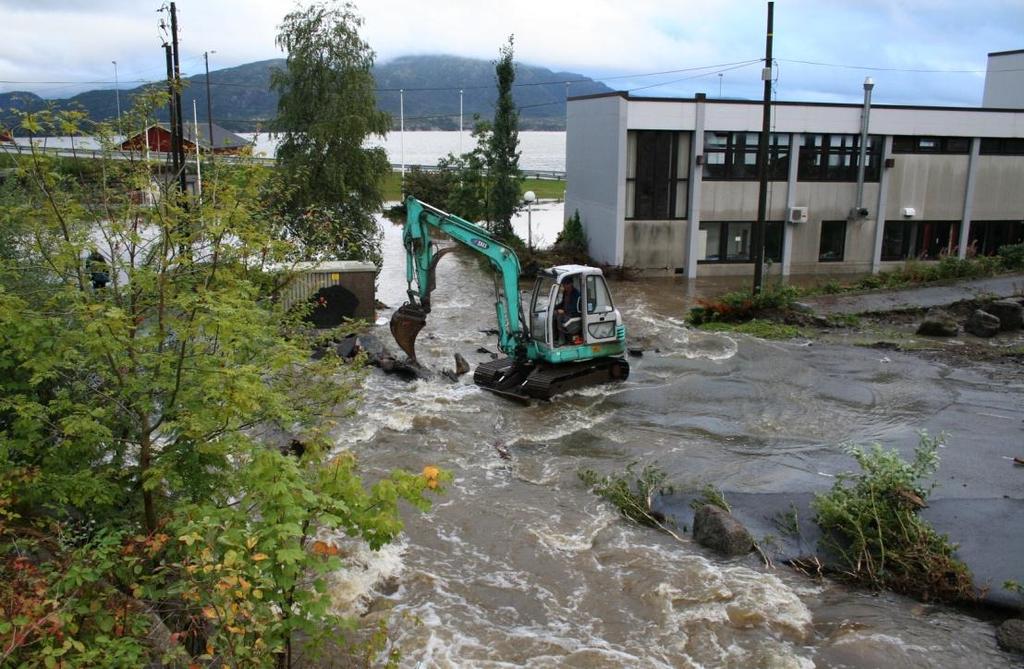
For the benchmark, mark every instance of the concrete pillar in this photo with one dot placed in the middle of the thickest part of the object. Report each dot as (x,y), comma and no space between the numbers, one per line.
(883,196)
(696,178)
(620,197)
(796,140)
(965,222)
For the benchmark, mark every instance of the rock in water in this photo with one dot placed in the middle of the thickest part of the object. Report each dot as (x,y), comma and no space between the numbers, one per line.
(461,366)
(1010,635)
(982,324)
(1009,312)
(372,346)
(346,348)
(717,529)
(937,323)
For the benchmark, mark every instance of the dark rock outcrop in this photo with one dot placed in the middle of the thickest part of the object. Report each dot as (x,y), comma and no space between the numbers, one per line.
(461,366)
(1010,635)
(1009,312)
(982,324)
(717,529)
(937,323)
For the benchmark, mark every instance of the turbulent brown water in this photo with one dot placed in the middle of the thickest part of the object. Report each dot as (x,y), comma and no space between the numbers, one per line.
(519,565)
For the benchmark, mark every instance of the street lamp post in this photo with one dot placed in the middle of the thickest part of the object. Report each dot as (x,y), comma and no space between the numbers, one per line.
(117,95)
(529,197)
(209,101)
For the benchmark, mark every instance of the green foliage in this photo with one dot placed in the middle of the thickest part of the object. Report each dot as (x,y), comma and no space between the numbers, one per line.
(136,491)
(757,327)
(870,522)
(431,186)
(742,305)
(572,240)
(1012,256)
(330,184)
(470,186)
(713,496)
(631,492)
(502,149)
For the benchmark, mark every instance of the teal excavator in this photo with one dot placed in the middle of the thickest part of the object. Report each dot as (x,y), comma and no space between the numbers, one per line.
(572,336)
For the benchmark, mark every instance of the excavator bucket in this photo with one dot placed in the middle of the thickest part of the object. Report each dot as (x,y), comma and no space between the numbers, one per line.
(406,323)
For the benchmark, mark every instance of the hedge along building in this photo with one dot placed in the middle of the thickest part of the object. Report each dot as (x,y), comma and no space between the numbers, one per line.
(670,185)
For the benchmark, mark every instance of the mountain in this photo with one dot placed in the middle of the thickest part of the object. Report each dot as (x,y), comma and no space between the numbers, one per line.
(242,99)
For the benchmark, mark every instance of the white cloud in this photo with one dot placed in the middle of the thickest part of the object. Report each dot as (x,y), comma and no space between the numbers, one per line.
(75,40)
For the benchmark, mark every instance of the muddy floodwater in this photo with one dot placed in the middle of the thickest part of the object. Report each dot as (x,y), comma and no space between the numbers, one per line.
(518,564)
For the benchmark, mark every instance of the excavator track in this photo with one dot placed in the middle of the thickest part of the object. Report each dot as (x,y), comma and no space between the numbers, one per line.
(525,381)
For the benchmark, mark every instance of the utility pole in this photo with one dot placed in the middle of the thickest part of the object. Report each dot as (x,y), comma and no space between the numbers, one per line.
(179,124)
(762,159)
(460,121)
(117,93)
(209,101)
(172,116)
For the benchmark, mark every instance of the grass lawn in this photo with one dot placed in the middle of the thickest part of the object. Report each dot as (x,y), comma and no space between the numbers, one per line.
(545,189)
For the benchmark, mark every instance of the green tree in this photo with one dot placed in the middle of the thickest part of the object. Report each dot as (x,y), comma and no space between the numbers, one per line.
(331,184)
(502,152)
(140,488)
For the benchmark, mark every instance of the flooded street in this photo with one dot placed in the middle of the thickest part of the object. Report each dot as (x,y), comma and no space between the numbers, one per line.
(520,565)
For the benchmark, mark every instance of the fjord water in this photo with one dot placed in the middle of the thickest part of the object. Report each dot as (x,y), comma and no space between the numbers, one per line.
(518,564)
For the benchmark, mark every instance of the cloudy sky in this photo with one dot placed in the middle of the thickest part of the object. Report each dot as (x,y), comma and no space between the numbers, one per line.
(920,51)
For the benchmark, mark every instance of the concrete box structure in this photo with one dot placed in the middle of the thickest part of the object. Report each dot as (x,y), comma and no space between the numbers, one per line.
(350,283)
(670,185)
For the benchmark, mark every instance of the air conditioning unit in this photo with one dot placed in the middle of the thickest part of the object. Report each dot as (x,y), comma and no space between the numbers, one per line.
(798,214)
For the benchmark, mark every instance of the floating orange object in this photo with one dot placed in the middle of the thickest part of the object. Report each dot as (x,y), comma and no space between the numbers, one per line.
(430,472)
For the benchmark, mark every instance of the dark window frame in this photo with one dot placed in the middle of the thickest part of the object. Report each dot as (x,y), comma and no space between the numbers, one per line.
(733,166)
(815,158)
(1002,146)
(672,182)
(822,237)
(776,228)
(903,144)
(913,245)
(987,236)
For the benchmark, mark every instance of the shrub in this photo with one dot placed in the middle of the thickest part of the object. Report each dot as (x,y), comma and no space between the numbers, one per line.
(1011,256)
(870,523)
(742,306)
(572,238)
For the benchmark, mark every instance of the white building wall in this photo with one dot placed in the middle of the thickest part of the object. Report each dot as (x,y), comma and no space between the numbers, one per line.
(595,162)
(1004,80)
(999,189)
(934,185)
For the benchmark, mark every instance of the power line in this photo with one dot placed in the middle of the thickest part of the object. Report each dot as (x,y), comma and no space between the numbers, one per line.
(697,76)
(892,69)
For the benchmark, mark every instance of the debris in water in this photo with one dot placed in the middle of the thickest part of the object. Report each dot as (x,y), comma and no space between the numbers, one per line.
(502,450)
(461,366)
(636,352)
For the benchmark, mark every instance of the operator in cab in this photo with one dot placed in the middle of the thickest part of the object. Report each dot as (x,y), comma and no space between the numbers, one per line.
(567,313)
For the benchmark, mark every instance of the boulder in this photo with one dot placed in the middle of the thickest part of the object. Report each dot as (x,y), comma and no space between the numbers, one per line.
(461,366)
(1010,635)
(716,528)
(372,346)
(1009,312)
(346,348)
(982,324)
(937,323)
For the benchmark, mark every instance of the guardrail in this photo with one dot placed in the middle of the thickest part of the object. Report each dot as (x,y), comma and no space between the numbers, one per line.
(163,157)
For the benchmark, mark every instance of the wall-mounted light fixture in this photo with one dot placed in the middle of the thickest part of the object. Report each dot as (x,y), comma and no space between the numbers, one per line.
(700,159)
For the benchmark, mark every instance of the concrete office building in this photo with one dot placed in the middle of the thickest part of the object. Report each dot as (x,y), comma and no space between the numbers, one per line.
(670,185)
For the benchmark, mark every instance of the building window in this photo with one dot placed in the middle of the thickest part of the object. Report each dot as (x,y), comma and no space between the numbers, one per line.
(835,158)
(657,171)
(985,237)
(910,144)
(921,240)
(733,155)
(730,241)
(832,245)
(1006,146)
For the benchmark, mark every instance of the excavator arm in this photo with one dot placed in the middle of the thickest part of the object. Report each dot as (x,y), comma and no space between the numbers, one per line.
(421,258)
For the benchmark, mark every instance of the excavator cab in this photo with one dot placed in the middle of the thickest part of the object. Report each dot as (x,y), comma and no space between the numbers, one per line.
(572,306)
